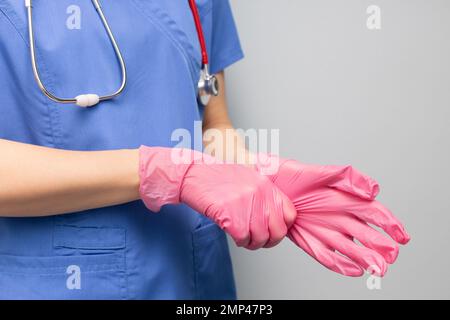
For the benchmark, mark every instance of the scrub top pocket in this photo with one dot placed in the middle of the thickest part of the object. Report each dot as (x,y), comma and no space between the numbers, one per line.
(212,264)
(63,277)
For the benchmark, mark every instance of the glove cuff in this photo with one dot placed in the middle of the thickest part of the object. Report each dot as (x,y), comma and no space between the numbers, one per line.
(161,172)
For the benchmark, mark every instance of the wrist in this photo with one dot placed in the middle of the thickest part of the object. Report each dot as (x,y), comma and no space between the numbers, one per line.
(131,174)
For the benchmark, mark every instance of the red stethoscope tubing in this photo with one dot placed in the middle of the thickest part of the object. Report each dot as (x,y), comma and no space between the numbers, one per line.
(201,36)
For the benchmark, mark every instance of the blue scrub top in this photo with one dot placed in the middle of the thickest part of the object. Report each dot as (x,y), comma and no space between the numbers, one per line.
(120,252)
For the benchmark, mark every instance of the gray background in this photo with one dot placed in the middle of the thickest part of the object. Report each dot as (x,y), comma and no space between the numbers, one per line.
(342,94)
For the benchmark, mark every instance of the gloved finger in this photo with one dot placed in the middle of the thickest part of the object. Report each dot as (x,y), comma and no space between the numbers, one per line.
(289,211)
(264,206)
(344,178)
(237,230)
(258,237)
(355,228)
(277,225)
(367,258)
(282,216)
(331,200)
(242,242)
(377,214)
(323,254)
(350,180)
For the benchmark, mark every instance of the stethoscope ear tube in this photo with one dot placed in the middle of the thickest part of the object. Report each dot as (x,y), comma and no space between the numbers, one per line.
(83,100)
(208,85)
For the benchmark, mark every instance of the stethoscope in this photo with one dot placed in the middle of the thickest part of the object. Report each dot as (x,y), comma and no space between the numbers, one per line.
(207,86)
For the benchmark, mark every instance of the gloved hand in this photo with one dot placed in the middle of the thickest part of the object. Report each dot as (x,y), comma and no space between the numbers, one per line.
(334,206)
(243,203)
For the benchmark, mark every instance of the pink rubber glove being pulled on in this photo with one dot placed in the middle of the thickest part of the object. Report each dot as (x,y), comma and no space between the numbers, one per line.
(335,205)
(245,204)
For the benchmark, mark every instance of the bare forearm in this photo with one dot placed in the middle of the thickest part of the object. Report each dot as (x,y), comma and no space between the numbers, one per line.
(220,139)
(39,181)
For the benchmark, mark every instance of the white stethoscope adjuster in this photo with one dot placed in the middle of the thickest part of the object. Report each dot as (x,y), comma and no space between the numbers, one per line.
(87,100)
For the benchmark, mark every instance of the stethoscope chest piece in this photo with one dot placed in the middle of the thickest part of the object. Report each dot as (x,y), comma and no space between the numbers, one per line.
(207,86)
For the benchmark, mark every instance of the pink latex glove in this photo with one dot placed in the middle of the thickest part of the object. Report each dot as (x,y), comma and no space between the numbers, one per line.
(334,206)
(243,203)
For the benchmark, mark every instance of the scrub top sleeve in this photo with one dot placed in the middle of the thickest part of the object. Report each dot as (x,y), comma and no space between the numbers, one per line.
(225,46)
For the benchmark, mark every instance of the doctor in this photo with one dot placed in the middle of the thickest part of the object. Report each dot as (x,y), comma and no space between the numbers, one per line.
(78,183)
